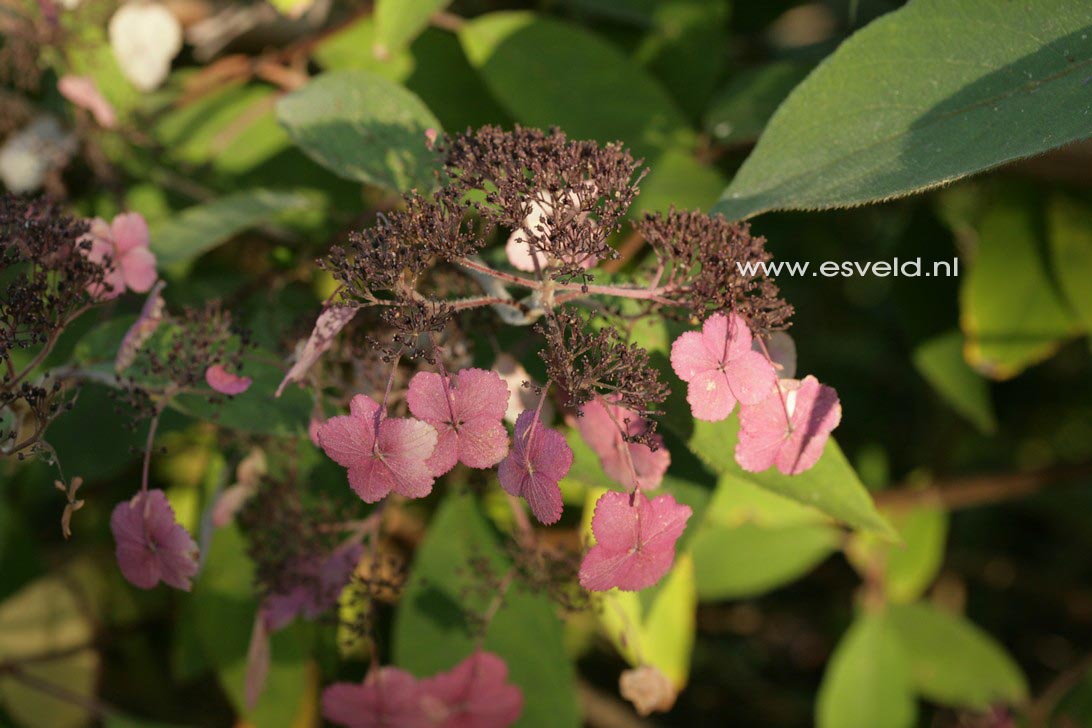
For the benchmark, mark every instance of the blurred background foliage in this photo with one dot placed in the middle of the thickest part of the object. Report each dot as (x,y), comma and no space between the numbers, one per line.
(968,412)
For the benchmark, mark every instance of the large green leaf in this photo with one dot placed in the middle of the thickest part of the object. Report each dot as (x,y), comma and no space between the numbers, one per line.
(908,567)
(953,662)
(397,22)
(432,632)
(867,681)
(199,229)
(1070,234)
(363,127)
(940,360)
(548,73)
(739,112)
(929,93)
(1010,311)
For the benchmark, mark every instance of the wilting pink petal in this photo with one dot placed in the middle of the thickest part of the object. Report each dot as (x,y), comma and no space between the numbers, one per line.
(225,382)
(601,427)
(383,454)
(720,367)
(124,246)
(258,659)
(320,581)
(151,545)
(539,459)
(467,411)
(473,694)
(388,698)
(130,231)
(782,350)
(634,543)
(329,323)
(151,315)
(82,91)
(767,438)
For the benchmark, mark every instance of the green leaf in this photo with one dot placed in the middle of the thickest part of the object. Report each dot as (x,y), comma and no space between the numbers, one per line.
(397,22)
(940,360)
(831,485)
(681,180)
(667,629)
(431,632)
(256,410)
(549,73)
(910,566)
(1009,310)
(362,127)
(749,560)
(199,229)
(929,93)
(738,112)
(46,617)
(867,681)
(1070,235)
(953,662)
(224,608)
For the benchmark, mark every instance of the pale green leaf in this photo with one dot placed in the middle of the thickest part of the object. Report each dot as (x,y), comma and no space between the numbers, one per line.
(953,662)
(397,22)
(363,127)
(1010,312)
(549,73)
(867,681)
(940,360)
(910,565)
(1070,234)
(197,230)
(929,93)
(749,560)
(739,111)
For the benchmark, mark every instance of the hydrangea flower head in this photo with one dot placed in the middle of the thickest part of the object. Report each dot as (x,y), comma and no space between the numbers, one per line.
(767,438)
(124,244)
(383,454)
(388,697)
(540,458)
(634,541)
(467,411)
(601,427)
(151,545)
(225,382)
(474,694)
(720,367)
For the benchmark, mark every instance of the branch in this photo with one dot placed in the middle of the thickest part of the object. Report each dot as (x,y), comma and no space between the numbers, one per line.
(978,490)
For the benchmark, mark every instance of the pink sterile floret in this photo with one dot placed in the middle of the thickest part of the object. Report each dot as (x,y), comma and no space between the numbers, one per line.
(388,698)
(329,323)
(601,427)
(720,367)
(467,411)
(383,454)
(634,542)
(124,244)
(767,438)
(539,458)
(225,382)
(82,91)
(474,694)
(321,582)
(151,545)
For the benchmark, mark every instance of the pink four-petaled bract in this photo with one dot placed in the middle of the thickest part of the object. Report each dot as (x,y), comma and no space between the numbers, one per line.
(634,541)
(467,411)
(151,545)
(383,454)
(124,243)
(539,458)
(601,425)
(474,694)
(387,698)
(322,579)
(795,444)
(720,368)
(225,382)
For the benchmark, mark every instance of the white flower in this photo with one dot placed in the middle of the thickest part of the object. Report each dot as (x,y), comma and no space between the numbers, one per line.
(145,38)
(31,153)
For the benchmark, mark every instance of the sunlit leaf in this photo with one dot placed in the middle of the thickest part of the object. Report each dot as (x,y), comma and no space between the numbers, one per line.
(940,360)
